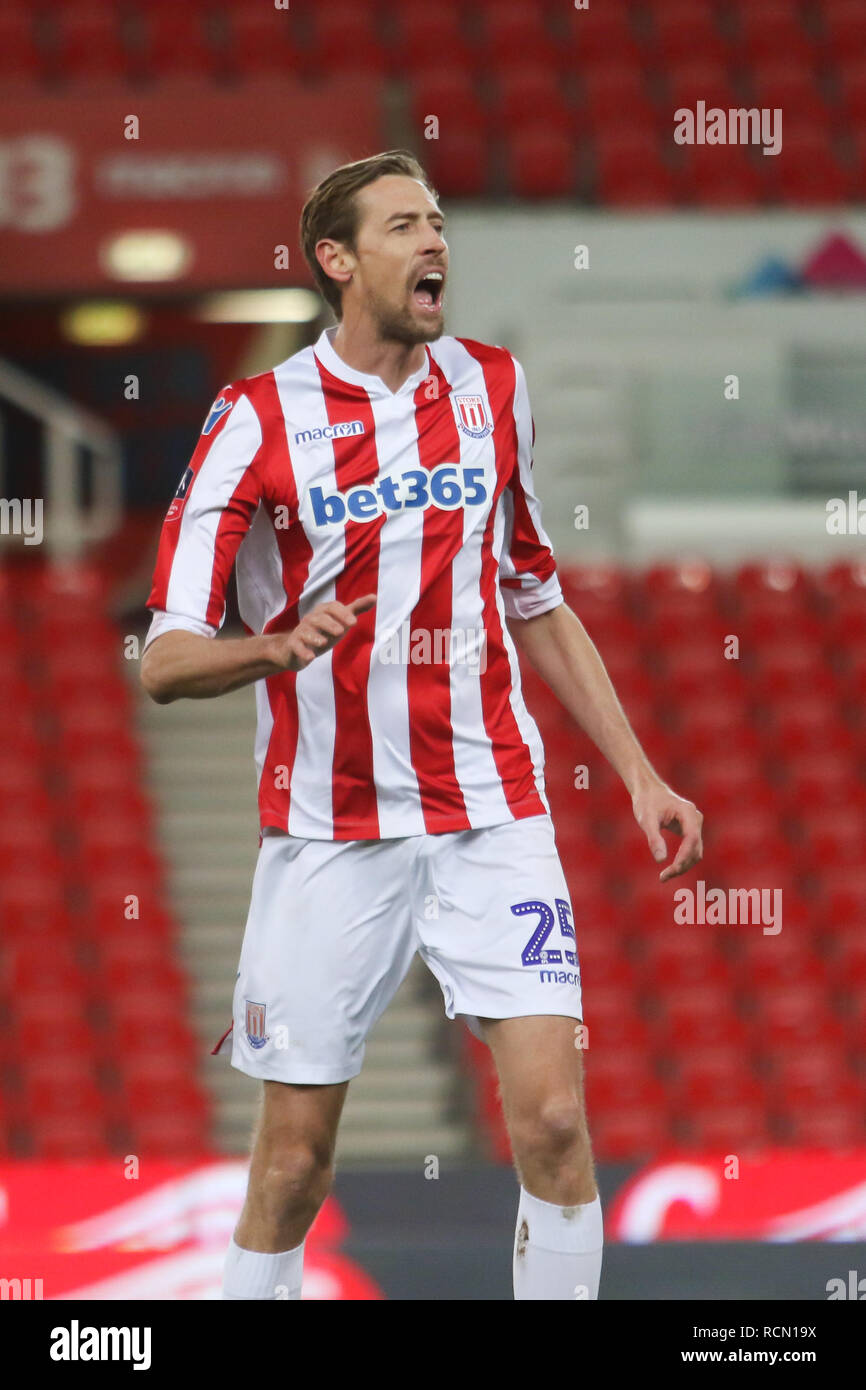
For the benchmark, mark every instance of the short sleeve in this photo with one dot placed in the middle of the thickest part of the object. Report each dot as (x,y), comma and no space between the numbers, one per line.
(527,570)
(210,514)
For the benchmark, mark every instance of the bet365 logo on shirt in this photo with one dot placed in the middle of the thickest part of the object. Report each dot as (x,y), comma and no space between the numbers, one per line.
(448,486)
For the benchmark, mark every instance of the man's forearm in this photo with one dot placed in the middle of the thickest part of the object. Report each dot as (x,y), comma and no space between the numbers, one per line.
(184,665)
(557,645)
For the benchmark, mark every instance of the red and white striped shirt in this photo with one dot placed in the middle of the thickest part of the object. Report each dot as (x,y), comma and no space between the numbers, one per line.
(320,483)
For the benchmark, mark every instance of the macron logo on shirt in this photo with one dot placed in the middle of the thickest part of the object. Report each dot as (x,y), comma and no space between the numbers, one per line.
(219,408)
(340,431)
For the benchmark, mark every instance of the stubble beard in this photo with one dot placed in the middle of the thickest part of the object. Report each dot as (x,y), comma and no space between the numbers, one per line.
(398,325)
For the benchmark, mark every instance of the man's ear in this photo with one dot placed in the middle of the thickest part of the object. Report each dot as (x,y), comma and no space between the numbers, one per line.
(336,260)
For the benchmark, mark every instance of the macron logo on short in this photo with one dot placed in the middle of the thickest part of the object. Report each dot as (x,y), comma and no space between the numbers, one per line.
(340,431)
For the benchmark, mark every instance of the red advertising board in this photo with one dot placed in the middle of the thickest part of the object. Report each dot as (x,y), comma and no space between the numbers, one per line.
(223,170)
(786,1195)
(109,1230)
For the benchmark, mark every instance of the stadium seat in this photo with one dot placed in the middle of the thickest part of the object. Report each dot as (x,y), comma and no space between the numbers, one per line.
(68,1137)
(347,36)
(89,43)
(512,34)
(629,171)
(428,33)
(728,1128)
(623,1133)
(458,162)
(786,82)
(595,33)
(614,92)
(830,1127)
(261,40)
(682,28)
(809,172)
(771,28)
(177,40)
(844,25)
(719,176)
(20,57)
(540,162)
(450,95)
(530,93)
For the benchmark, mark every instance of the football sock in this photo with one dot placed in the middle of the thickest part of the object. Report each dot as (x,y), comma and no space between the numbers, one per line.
(251,1274)
(557,1250)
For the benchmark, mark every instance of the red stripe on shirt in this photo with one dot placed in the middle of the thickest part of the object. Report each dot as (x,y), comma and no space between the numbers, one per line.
(295,556)
(170,534)
(512,756)
(356,462)
(428,687)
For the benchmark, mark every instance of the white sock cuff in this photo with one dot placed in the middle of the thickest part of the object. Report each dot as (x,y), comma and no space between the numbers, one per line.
(569,1230)
(257,1274)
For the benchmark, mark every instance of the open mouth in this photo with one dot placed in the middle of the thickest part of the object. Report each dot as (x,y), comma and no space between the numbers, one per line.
(427,293)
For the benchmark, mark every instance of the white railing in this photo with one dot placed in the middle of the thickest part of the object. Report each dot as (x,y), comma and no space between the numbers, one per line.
(69,523)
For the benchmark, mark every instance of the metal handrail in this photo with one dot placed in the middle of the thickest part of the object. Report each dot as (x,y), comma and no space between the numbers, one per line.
(70,526)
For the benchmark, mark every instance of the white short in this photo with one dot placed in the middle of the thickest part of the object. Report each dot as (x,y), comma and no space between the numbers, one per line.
(333,926)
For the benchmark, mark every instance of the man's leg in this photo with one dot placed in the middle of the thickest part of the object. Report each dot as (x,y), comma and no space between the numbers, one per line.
(558,1244)
(290,1177)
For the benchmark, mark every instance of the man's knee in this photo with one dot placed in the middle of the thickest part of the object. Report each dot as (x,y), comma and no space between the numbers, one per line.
(554,1130)
(294,1175)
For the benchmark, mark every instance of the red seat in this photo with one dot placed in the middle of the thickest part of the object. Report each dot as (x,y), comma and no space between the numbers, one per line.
(697,1091)
(68,1137)
(793,1015)
(782,80)
(845,28)
(177,41)
(450,95)
(262,40)
(699,78)
(64,1093)
(682,28)
(347,36)
(594,34)
(676,957)
(729,1128)
(530,93)
(620,1135)
(830,1127)
(172,1136)
(610,1091)
(809,172)
(770,962)
(630,170)
(771,28)
(458,162)
(20,57)
(688,1029)
(513,34)
(706,1064)
(90,43)
(720,176)
(540,162)
(431,33)
(139,1031)
(612,88)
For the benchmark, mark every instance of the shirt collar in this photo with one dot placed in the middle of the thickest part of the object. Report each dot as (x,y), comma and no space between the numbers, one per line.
(329,358)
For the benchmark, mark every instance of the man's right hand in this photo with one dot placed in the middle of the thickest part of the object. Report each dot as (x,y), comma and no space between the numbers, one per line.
(186,665)
(318,632)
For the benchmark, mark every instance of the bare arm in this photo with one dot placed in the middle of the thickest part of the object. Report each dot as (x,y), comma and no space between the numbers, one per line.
(558,646)
(185,665)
